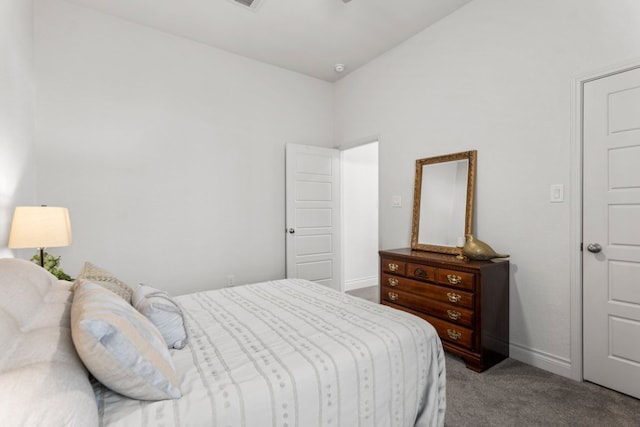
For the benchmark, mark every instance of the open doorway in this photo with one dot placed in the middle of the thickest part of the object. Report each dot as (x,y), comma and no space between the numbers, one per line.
(360,219)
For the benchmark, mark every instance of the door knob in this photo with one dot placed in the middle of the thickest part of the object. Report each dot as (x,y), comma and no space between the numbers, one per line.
(594,248)
(291,231)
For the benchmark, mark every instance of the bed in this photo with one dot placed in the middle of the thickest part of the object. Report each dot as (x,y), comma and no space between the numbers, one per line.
(279,353)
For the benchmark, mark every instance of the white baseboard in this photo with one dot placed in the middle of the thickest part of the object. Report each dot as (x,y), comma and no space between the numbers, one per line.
(364,282)
(539,359)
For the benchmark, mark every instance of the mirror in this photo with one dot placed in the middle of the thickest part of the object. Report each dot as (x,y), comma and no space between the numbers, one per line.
(443,202)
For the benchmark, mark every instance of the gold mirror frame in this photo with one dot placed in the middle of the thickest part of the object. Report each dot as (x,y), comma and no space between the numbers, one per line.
(471,180)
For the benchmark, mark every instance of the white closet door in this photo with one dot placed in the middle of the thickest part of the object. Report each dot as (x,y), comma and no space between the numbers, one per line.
(611,236)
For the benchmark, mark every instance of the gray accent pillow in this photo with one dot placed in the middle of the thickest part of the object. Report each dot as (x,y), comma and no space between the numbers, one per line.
(163,312)
(121,347)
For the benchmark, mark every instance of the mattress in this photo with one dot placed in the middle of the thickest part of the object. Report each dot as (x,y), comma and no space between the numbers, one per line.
(294,353)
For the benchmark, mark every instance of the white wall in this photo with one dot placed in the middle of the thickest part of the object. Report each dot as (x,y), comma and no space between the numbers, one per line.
(360,216)
(169,154)
(17,173)
(496,76)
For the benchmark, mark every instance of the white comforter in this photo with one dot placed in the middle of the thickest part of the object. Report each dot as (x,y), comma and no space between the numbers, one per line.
(293,353)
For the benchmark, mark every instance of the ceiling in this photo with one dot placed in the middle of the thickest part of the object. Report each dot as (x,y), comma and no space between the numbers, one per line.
(306,36)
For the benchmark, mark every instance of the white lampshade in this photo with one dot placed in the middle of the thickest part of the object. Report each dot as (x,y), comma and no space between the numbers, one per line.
(40,227)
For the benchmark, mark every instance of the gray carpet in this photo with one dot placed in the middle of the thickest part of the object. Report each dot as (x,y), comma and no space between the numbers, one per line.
(515,394)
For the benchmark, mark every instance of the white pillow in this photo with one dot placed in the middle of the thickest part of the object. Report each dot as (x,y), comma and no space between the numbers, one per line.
(119,346)
(42,380)
(163,312)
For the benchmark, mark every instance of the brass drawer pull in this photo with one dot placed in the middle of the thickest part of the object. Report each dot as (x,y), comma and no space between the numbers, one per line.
(393,281)
(454,297)
(421,273)
(453,334)
(392,296)
(453,279)
(393,267)
(454,315)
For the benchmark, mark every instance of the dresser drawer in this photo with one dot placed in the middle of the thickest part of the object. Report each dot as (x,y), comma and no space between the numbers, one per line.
(402,283)
(393,266)
(451,332)
(422,272)
(449,312)
(454,278)
(404,298)
(452,313)
(454,297)
(450,296)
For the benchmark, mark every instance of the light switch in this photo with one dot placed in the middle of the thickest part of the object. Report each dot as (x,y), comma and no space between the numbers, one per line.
(396,201)
(557,193)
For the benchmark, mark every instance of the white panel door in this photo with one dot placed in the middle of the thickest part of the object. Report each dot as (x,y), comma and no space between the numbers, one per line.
(313,214)
(611,233)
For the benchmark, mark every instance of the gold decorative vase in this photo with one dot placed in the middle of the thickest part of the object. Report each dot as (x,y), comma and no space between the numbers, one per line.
(478,250)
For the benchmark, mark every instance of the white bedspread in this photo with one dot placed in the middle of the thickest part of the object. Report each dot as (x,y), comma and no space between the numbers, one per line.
(293,353)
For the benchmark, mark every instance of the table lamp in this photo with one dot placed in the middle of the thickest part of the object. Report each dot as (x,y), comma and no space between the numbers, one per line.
(40,227)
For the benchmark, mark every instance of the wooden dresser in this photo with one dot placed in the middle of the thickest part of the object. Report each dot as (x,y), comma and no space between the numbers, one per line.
(466,301)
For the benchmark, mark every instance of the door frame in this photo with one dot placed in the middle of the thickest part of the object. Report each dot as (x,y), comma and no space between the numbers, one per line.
(576,210)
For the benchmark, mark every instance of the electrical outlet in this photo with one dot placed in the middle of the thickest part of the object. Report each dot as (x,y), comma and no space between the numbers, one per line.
(230,278)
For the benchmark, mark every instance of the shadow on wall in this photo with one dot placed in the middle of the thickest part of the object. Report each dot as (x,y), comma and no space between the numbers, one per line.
(13,181)
(516,309)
